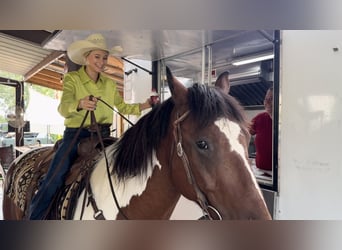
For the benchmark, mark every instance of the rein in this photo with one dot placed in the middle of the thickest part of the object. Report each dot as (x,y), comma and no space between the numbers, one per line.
(130,123)
(98,214)
(201,199)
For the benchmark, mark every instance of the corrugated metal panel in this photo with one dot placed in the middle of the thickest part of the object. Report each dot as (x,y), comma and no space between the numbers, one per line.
(250,95)
(18,57)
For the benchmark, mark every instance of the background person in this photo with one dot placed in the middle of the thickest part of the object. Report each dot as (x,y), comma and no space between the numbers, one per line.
(92,53)
(261,127)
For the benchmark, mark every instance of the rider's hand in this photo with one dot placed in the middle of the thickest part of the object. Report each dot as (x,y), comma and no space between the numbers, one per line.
(87,103)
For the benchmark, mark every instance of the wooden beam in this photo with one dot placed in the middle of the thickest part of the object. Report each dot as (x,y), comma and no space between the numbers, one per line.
(48,84)
(55,67)
(114,70)
(118,80)
(47,61)
(116,62)
(50,73)
(45,78)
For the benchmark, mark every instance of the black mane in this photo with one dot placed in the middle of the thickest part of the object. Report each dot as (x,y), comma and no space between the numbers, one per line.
(134,150)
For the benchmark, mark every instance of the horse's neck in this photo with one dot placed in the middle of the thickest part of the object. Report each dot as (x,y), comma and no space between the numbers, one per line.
(149,197)
(158,199)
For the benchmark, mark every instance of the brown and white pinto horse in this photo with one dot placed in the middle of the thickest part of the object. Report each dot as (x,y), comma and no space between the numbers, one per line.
(194,144)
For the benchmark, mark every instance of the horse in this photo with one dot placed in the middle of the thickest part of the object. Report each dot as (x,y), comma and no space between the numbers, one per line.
(193,144)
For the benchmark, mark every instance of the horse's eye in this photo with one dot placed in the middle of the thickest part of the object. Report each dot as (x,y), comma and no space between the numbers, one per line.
(202,144)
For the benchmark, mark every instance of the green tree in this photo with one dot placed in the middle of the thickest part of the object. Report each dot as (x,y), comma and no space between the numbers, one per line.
(7,100)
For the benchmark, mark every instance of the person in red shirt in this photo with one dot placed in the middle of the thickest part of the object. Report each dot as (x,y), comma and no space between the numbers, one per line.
(261,127)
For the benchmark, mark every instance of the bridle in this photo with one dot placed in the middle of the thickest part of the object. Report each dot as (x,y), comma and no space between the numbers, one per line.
(201,198)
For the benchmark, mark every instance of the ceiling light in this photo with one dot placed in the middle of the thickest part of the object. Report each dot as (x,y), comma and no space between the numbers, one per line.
(247,60)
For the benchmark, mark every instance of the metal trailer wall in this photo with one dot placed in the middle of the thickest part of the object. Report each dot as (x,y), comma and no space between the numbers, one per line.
(310,119)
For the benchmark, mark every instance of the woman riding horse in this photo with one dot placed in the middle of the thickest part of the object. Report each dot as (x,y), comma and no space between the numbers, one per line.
(78,87)
(194,144)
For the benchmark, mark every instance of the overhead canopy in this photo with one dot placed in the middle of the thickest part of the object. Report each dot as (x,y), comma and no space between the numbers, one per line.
(39,55)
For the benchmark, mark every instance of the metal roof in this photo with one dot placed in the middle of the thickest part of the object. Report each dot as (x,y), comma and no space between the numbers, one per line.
(22,53)
(18,56)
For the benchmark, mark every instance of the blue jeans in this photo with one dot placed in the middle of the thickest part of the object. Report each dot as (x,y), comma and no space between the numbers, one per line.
(54,178)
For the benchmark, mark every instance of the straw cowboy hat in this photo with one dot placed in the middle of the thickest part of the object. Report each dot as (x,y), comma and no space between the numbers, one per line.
(77,50)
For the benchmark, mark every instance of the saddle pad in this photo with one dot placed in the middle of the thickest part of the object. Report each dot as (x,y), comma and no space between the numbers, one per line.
(23,174)
(31,168)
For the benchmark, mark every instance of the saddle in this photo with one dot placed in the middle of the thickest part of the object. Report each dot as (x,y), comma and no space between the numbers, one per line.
(32,171)
(89,152)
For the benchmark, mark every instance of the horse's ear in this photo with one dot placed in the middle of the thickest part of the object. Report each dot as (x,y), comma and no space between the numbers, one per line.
(178,90)
(222,82)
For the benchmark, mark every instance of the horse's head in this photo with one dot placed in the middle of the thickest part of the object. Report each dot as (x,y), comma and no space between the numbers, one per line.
(209,158)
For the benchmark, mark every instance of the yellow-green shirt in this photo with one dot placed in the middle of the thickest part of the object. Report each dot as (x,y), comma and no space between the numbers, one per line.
(77,85)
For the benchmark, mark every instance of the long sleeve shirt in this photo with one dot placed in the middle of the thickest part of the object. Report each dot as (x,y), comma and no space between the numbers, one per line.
(262,129)
(77,85)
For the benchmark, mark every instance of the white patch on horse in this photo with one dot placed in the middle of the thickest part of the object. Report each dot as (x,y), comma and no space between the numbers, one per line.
(124,191)
(233,131)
